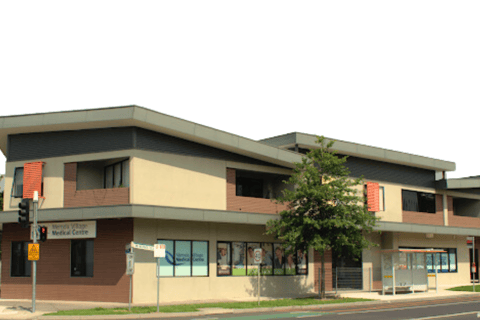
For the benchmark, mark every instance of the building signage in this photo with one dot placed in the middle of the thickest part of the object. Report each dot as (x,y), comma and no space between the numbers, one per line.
(70,230)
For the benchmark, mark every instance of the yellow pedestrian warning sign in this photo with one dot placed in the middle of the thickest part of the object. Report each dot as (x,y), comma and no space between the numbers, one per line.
(33,251)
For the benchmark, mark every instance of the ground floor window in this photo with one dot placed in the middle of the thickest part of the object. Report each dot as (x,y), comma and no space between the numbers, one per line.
(81,258)
(184,258)
(442,261)
(20,266)
(237,259)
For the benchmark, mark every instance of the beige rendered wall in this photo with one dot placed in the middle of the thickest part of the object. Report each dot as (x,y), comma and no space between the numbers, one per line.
(53,177)
(204,288)
(393,200)
(164,179)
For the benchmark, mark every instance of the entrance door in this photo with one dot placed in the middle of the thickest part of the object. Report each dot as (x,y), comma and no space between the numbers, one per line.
(473,276)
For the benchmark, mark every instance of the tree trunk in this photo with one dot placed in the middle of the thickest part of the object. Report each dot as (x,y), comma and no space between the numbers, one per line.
(322,283)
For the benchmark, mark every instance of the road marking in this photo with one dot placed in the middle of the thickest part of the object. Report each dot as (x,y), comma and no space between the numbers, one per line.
(404,308)
(449,315)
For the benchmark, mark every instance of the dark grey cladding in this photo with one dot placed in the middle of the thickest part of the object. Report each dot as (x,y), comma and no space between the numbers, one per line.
(64,143)
(389,172)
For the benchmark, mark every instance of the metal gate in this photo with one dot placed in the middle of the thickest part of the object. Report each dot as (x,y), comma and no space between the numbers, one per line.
(347,279)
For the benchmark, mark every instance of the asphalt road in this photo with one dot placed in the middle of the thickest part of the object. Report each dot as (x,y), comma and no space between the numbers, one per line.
(457,309)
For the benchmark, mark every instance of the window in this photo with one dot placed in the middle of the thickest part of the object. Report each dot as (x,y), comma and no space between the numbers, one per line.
(17,187)
(418,201)
(19,265)
(259,184)
(184,258)
(381,198)
(236,259)
(443,261)
(82,258)
(117,175)
(249,187)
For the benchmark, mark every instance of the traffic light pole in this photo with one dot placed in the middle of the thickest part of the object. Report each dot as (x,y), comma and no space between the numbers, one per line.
(35,230)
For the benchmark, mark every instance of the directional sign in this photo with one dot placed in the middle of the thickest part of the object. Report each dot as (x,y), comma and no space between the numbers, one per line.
(33,251)
(159,250)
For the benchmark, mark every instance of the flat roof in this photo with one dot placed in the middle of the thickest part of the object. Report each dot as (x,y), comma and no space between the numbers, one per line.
(145,118)
(308,141)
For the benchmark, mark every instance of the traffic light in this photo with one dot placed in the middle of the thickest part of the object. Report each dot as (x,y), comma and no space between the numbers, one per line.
(24,213)
(43,233)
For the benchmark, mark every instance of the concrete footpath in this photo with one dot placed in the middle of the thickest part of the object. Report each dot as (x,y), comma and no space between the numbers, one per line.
(21,309)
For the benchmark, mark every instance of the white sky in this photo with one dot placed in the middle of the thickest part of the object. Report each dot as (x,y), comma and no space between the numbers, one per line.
(402,75)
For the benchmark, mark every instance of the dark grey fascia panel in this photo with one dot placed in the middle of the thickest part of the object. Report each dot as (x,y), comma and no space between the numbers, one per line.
(65,143)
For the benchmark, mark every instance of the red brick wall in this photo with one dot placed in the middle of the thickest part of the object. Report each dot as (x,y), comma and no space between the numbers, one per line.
(88,198)
(248,204)
(108,284)
(426,218)
(317,267)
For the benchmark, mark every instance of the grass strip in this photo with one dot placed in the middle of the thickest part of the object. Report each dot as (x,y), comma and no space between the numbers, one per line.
(196,307)
(466,288)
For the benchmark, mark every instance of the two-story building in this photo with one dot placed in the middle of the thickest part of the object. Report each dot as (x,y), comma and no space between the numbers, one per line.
(111,176)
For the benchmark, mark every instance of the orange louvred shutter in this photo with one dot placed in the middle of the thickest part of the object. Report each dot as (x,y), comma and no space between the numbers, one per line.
(32,179)
(373,200)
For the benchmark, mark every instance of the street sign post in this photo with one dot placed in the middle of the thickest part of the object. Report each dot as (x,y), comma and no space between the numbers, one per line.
(130,270)
(158,252)
(257,259)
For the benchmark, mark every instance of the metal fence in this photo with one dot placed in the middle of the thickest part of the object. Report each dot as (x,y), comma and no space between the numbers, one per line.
(349,279)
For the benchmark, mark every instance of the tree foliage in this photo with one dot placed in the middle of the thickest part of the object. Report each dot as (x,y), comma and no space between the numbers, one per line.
(326,209)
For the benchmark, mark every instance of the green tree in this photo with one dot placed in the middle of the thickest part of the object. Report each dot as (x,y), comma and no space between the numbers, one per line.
(326,209)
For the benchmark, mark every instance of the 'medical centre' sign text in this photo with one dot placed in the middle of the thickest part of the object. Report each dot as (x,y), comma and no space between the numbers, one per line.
(70,230)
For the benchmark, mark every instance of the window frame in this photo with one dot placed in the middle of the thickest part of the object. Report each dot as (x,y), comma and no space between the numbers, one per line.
(191,258)
(272,274)
(122,165)
(448,252)
(13,193)
(86,265)
(418,194)
(25,261)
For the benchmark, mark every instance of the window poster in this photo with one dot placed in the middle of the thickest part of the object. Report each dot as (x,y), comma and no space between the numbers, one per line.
(453,262)
(279,259)
(182,258)
(167,263)
(238,254)
(199,258)
(252,267)
(267,259)
(223,259)
(444,261)
(429,262)
(437,262)
(419,260)
(301,262)
(290,261)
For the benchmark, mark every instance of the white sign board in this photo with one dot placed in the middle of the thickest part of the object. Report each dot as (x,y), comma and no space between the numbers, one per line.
(159,250)
(130,264)
(69,230)
(257,256)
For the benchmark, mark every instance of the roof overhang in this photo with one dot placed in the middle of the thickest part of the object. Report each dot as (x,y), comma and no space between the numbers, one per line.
(204,215)
(308,141)
(144,118)
(462,183)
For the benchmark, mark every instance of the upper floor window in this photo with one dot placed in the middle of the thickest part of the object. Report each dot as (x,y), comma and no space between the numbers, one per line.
(418,201)
(17,188)
(259,184)
(117,175)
